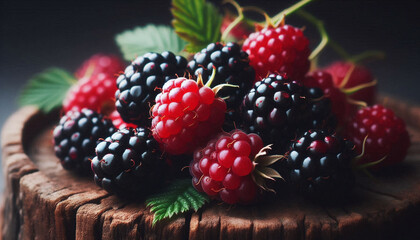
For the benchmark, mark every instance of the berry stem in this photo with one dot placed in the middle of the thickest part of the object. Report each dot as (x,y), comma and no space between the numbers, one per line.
(234,22)
(358,157)
(347,77)
(372,54)
(357,88)
(268,20)
(357,103)
(370,164)
(326,40)
(280,16)
(220,86)
(321,29)
(213,75)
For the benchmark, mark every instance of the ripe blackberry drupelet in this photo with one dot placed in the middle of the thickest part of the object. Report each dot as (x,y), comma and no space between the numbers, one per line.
(319,165)
(128,163)
(232,67)
(278,109)
(137,85)
(76,136)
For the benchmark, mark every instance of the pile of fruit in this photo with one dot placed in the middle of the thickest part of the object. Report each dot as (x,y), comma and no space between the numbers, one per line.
(248,117)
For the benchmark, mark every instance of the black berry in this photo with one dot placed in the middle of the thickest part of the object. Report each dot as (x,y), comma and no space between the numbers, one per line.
(278,109)
(319,165)
(76,136)
(137,85)
(232,67)
(129,163)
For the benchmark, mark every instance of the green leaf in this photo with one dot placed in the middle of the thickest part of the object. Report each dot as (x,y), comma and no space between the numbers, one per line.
(47,90)
(177,198)
(196,21)
(150,38)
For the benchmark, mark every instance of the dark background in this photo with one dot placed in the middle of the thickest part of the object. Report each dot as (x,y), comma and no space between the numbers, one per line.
(35,35)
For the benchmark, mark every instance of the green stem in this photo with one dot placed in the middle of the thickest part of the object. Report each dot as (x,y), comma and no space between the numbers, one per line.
(213,75)
(339,50)
(289,10)
(268,22)
(365,55)
(235,22)
(321,29)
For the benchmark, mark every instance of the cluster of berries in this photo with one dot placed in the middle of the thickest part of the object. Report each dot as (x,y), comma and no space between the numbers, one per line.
(241,115)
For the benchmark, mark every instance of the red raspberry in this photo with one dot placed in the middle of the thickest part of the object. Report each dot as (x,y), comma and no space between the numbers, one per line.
(387,135)
(358,77)
(100,63)
(323,80)
(225,168)
(96,86)
(281,49)
(96,93)
(118,122)
(186,115)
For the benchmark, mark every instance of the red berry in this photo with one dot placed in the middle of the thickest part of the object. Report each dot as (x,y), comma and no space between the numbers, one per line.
(242,148)
(205,165)
(231,181)
(242,166)
(358,76)
(217,172)
(226,158)
(387,135)
(210,186)
(96,86)
(96,93)
(100,63)
(256,143)
(197,185)
(247,190)
(229,196)
(224,165)
(282,49)
(186,116)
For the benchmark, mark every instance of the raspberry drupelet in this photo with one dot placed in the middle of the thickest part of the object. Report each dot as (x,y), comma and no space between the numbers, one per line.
(186,115)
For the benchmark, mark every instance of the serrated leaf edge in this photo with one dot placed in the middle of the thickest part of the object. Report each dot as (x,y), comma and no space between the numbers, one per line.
(163,205)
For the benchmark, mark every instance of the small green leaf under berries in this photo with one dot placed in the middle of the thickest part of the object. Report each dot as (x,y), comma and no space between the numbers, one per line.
(150,38)
(47,90)
(196,21)
(177,198)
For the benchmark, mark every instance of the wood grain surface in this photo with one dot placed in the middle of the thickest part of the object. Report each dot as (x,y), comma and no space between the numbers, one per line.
(43,201)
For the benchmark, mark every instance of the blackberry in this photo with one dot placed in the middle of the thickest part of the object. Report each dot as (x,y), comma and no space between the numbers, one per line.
(128,163)
(76,136)
(319,165)
(277,109)
(232,67)
(137,85)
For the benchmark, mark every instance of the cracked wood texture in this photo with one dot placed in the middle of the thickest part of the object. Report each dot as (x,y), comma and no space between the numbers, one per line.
(43,201)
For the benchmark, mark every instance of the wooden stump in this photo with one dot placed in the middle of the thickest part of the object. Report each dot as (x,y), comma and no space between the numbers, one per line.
(43,201)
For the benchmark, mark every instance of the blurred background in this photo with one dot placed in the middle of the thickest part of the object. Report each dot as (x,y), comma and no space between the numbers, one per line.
(35,35)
